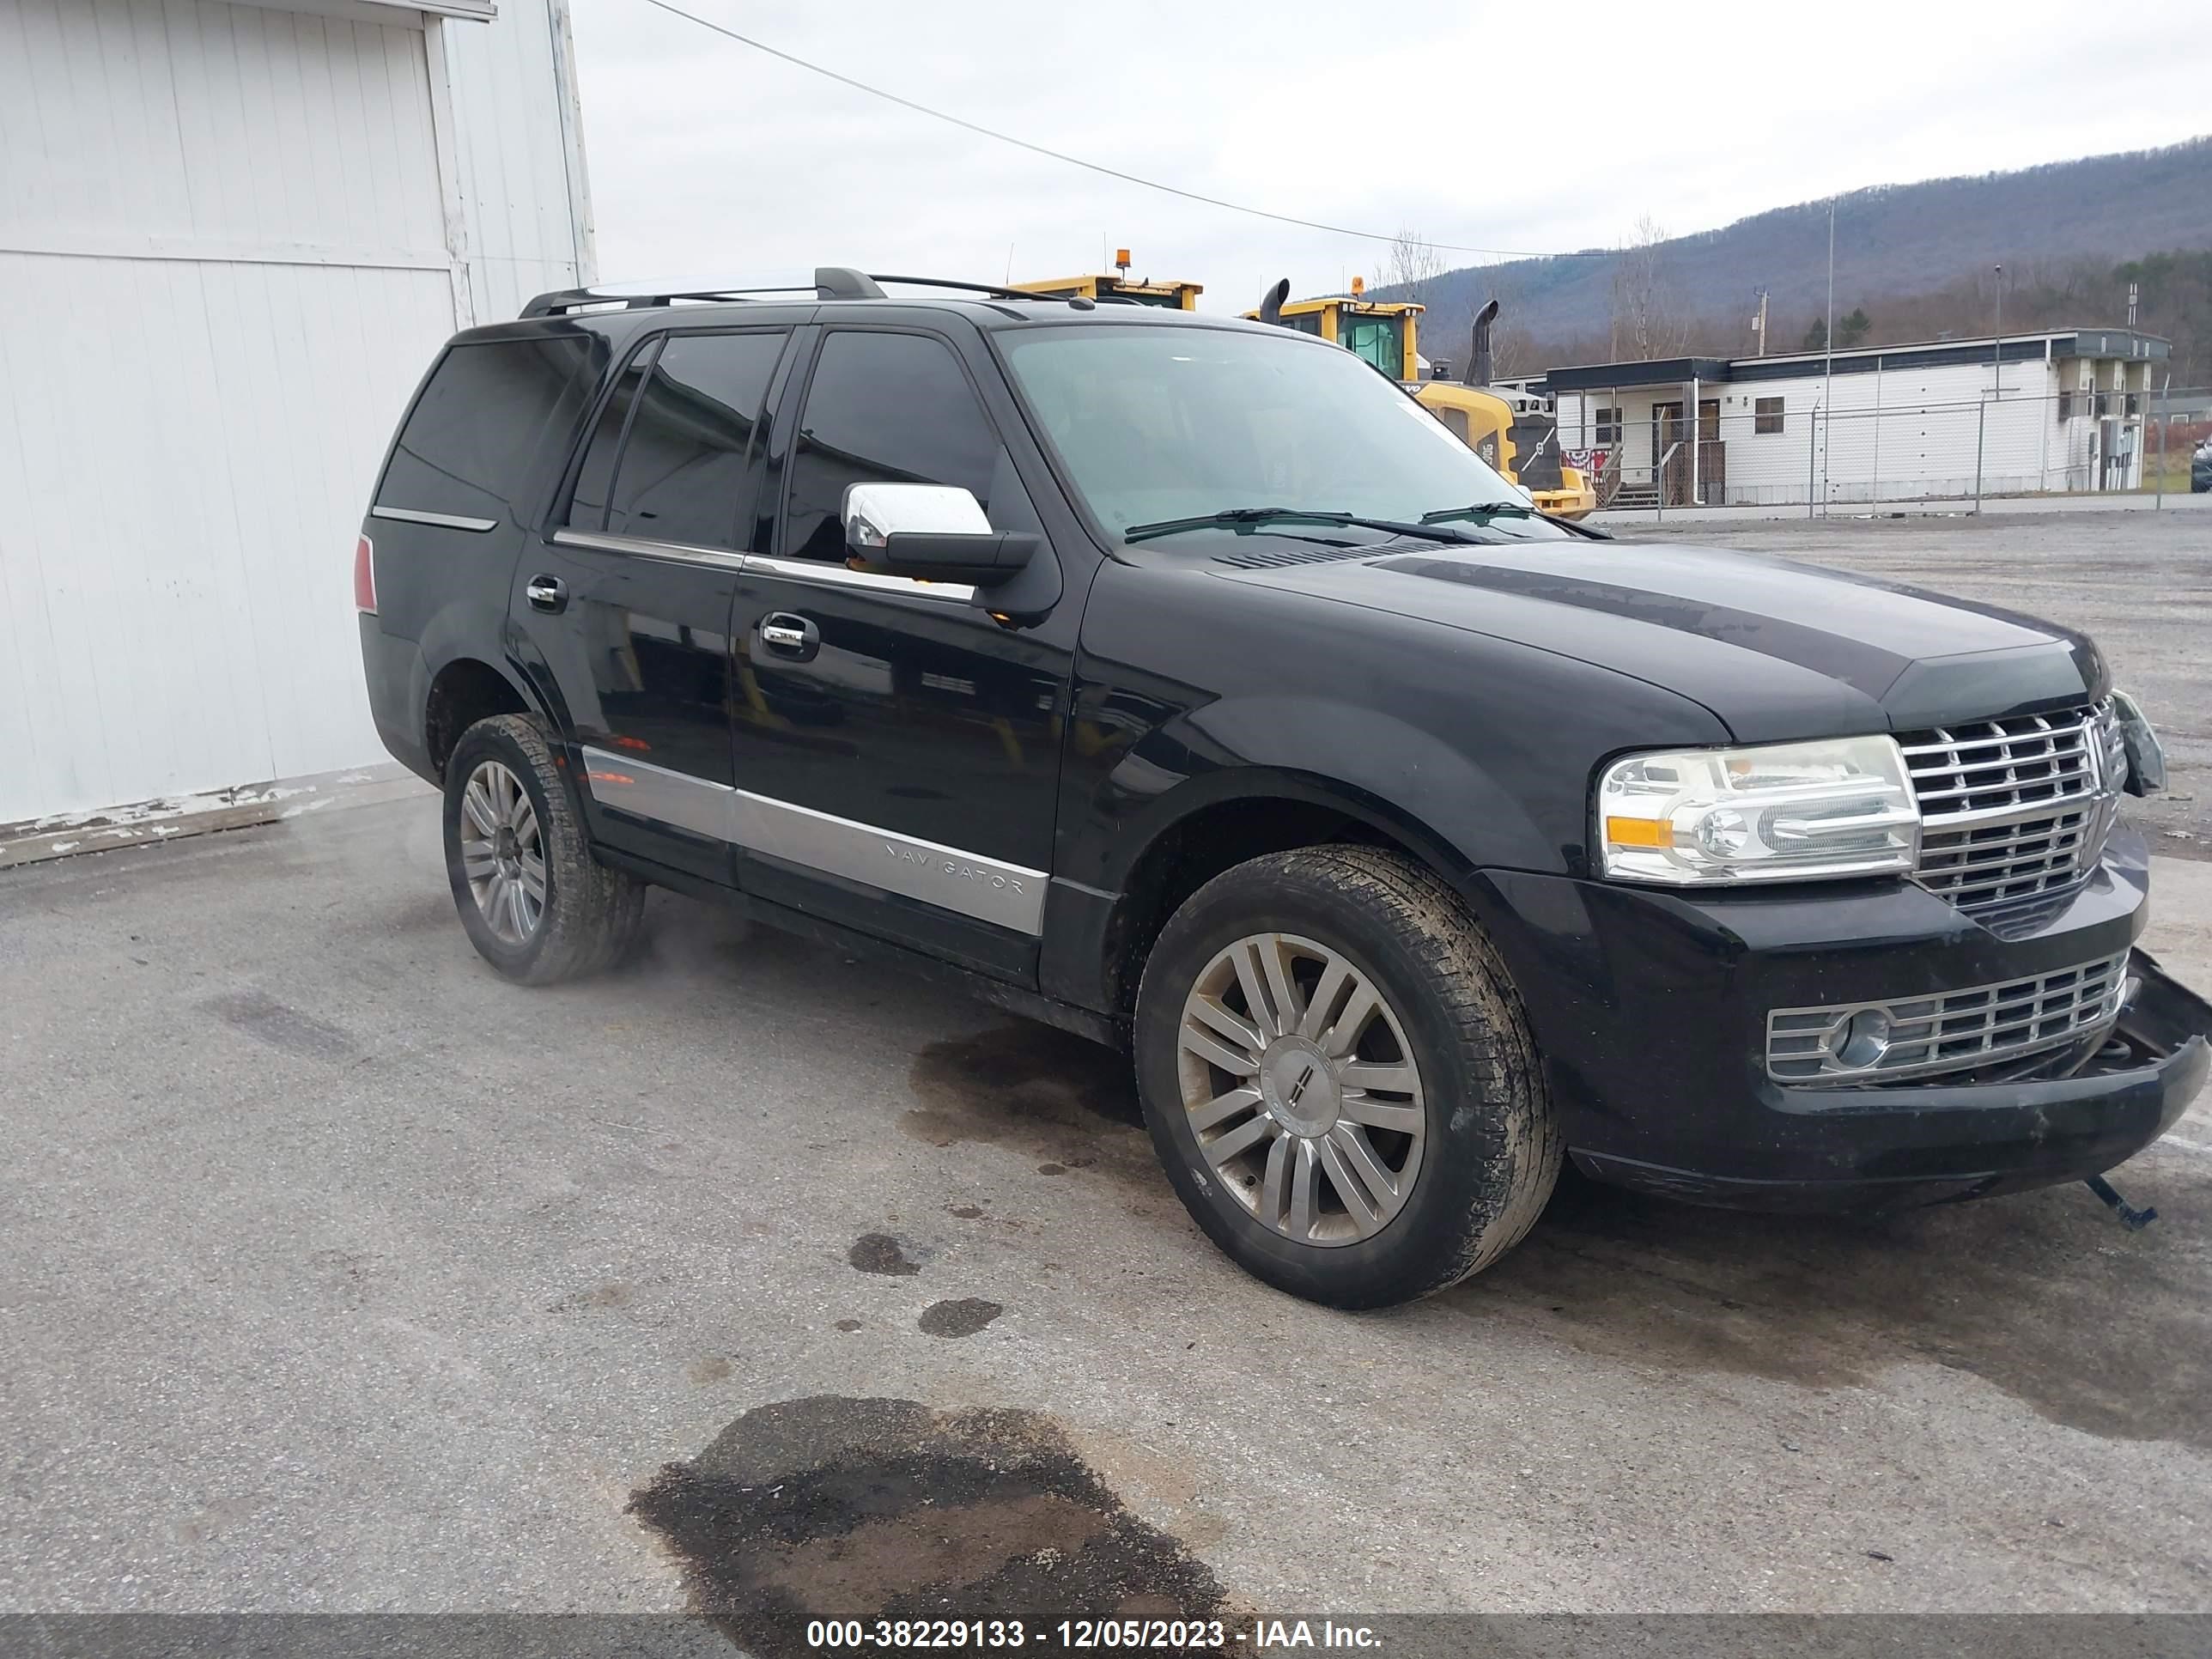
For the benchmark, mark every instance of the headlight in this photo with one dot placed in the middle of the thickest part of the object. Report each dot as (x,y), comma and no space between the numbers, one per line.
(1785,811)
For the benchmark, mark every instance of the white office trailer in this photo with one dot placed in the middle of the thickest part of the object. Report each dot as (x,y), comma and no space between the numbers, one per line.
(2060,411)
(232,236)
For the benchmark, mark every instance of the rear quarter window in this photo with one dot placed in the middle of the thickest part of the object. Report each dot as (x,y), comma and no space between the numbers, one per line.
(489,409)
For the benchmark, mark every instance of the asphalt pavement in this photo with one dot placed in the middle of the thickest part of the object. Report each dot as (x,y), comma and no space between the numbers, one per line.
(342,1275)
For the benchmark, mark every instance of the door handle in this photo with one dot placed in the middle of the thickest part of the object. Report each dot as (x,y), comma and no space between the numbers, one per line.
(548,593)
(790,636)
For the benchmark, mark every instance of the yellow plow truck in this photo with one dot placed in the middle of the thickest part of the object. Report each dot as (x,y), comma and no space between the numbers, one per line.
(1119,286)
(1512,431)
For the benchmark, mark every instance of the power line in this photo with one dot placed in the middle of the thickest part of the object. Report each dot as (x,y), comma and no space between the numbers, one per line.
(1077,160)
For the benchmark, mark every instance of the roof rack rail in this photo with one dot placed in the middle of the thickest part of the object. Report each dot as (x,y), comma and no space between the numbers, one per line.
(990,289)
(830,283)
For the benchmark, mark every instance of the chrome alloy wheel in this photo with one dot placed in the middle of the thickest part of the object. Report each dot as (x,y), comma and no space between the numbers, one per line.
(1301,1089)
(503,852)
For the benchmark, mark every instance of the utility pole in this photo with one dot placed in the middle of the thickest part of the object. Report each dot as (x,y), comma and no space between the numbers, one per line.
(1828,371)
(1997,353)
(1758,323)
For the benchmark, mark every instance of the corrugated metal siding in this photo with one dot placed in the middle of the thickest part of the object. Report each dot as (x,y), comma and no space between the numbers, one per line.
(138,126)
(515,160)
(224,265)
(184,452)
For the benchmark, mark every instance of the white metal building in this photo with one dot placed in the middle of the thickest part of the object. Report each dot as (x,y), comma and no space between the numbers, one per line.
(231,238)
(2055,411)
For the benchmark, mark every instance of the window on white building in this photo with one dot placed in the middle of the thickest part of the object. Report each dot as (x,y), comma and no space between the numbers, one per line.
(1766,415)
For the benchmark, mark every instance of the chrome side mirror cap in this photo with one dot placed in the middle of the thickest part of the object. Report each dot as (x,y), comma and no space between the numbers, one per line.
(2146,755)
(874,513)
(932,532)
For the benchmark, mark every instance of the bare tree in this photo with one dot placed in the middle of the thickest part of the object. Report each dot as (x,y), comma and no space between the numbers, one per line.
(1414,267)
(1513,353)
(1648,319)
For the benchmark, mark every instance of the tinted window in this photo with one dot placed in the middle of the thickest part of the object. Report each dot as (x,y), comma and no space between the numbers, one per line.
(595,478)
(472,437)
(883,409)
(684,468)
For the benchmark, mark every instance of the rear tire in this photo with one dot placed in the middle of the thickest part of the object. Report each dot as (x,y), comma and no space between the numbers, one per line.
(534,901)
(1410,1104)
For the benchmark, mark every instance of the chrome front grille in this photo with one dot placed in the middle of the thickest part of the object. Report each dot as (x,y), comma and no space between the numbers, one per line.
(2015,808)
(1951,1031)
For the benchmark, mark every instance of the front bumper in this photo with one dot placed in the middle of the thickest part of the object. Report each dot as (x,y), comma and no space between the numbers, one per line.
(1651,1009)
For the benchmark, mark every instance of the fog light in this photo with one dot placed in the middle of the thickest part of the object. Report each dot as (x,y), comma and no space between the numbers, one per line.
(1863,1040)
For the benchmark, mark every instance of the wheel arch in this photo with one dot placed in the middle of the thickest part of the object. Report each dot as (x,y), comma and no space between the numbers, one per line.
(462,690)
(1213,822)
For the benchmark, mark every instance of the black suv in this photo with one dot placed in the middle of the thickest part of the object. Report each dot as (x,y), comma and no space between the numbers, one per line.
(1183,682)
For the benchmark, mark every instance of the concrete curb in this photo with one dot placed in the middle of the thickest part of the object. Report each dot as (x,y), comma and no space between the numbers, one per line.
(175,817)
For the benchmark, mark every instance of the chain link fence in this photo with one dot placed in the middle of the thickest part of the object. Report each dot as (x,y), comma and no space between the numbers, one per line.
(1770,454)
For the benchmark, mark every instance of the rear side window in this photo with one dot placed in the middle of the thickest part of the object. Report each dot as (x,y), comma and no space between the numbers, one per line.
(469,442)
(883,409)
(685,469)
(595,478)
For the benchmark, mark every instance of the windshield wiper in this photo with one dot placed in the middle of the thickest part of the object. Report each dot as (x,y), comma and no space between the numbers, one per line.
(1481,510)
(1230,518)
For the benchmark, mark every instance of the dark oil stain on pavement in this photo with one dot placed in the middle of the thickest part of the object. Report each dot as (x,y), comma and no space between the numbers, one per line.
(964,1317)
(2039,1294)
(1053,1095)
(879,1252)
(613,1295)
(833,1507)
(260,1015)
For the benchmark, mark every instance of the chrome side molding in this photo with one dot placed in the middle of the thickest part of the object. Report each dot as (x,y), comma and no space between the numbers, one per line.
(1008,896)
(442,521)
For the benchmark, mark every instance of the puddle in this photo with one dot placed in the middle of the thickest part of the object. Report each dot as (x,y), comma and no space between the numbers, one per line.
(962,1318)
(2041,1294)
(879,1252)
(834,1507)
(1047,1094)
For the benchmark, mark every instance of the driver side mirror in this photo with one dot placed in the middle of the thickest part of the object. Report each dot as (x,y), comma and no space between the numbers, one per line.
(936,532)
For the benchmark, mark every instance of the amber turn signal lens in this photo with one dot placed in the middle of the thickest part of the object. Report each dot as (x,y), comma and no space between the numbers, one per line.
(1639,832)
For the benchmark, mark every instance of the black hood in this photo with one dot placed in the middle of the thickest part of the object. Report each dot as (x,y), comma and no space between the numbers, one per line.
(1776,649)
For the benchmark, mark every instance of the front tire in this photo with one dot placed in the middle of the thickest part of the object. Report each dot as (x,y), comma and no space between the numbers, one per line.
(534,901)
(1339,1079)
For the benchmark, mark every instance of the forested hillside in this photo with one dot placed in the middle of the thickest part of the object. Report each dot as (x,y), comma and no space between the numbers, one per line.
(1912,262)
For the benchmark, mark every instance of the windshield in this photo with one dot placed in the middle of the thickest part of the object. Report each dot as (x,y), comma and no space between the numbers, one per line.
(1379,340)
(1159,423)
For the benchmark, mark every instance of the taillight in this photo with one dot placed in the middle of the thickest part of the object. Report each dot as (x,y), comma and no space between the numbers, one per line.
(364,577)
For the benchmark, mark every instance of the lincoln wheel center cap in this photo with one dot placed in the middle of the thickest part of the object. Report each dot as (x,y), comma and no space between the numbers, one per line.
(1299,1087)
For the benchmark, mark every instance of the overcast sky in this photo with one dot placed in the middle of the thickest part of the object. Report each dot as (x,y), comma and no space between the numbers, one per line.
(1461,119)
